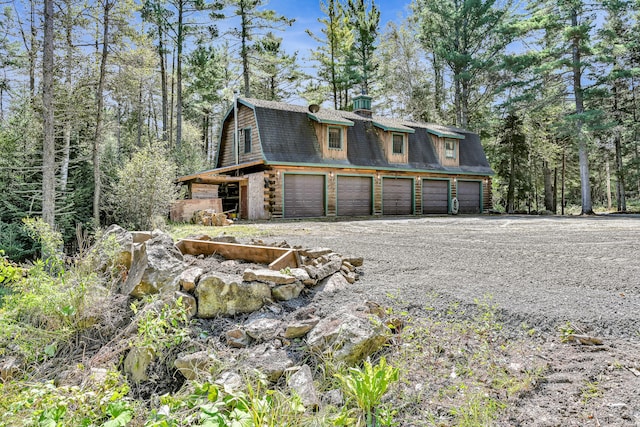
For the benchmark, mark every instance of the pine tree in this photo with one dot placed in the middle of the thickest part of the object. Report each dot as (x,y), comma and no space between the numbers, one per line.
(277,74)
(253,20)
(364,23)
(335,43)
(467,36)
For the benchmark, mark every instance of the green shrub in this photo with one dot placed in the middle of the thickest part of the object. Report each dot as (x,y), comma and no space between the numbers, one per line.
(144,190)
(104,403)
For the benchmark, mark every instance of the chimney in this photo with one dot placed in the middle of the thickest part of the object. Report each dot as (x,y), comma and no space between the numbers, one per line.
(362,105)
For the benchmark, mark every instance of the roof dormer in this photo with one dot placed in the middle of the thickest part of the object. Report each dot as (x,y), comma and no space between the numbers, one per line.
(395,139)
(447,145)
(331,130)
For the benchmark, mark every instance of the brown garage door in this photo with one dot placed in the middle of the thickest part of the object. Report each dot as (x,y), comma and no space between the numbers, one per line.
(303,196)
(354,195)
(469,197)
(397,196)
(435,196)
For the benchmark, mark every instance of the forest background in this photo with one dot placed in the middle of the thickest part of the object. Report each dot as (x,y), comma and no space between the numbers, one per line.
(104,103)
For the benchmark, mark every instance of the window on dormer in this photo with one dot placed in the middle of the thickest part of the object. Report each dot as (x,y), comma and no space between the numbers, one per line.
(335,138)
(450,148)
(398,143)
(247,140)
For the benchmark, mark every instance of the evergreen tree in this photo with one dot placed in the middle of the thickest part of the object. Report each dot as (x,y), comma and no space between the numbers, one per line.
(253,20)
(467,36)
(364,22)
(277,74)
(335,43)
(614,75)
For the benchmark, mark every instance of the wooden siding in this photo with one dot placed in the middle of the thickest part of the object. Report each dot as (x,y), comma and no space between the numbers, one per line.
(487,199)
(387,147)
(322,133)
(246,119)
(439,145)
(183,210)
(332,188)
(255,197)
(203,191)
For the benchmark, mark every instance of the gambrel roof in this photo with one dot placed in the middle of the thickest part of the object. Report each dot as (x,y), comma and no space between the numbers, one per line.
(287,136)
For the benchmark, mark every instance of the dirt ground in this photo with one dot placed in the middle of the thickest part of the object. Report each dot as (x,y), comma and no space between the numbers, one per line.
(546,275)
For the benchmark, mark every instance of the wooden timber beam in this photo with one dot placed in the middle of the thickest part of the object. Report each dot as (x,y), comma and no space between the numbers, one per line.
(276,258)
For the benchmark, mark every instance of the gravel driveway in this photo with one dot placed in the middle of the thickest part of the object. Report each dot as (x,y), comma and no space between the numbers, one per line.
(544,271)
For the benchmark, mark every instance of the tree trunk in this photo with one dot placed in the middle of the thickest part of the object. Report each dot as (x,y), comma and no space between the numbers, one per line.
(457,98)
(439,87)
(583,155)
(173,91)
(139,114)
(32,50)
(244,50)
(163,82)
(548,187)
(179,76)
(66,132)
(564,168)
(464,104)
(555,191)
(511,190)
(48,148)
(608,180)
(621,202)
(97,178)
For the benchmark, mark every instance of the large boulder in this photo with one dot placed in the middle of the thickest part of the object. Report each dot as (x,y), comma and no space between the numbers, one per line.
(263,329)
(189,277)
(336,282)
(156,268)
(326,268)
(287,292)
(267,276)
(269,361)
(138,361)
(349,334)
(195,365)
(302,383)
(218,294)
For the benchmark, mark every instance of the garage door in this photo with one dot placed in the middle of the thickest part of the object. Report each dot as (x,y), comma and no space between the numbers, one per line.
(303,196)
(397,196)
(354,195)
(435,196)
(469,197)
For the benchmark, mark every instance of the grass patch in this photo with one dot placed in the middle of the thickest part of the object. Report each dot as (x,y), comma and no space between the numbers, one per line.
(180,231)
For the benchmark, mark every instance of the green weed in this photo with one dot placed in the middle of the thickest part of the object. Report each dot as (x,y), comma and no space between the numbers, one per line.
(366,386)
